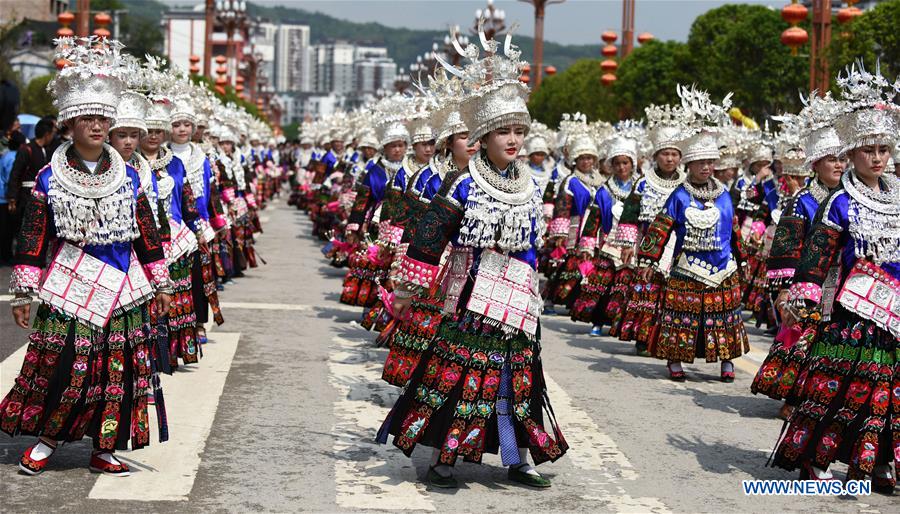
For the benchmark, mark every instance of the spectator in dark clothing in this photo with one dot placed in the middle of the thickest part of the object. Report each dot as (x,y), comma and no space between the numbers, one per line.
(29,160)
(16,140)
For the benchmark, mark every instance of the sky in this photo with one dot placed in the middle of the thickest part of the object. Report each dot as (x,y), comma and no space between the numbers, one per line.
(571,22)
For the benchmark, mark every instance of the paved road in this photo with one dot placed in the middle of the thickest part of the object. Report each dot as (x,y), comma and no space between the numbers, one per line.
(280,416)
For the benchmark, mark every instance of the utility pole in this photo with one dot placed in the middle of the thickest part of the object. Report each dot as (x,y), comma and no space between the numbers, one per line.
(538,64)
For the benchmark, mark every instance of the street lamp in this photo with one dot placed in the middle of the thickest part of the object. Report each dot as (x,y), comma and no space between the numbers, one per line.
(493,20)
(450,50)
(539,7)
(233,15)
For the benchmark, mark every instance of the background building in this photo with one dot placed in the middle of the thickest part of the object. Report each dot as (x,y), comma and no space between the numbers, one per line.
(292,56)
(333,67)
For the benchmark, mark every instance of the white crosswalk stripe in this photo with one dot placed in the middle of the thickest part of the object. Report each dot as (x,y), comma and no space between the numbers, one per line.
(382,479)
(167,471)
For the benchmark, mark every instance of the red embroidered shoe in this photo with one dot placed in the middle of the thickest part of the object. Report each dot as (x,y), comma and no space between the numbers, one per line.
(675,376)
(101,465)
(31,466)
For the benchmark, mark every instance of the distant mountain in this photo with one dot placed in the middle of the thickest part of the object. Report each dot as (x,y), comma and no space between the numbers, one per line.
(403,44)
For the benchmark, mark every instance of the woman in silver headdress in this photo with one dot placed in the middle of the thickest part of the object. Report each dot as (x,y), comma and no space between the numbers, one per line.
(87,367)
(783,372)
(701,310)
(849,405)
(479,386)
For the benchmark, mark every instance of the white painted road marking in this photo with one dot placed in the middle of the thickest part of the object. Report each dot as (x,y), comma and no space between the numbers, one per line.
(286,306)
(355,372)
(592,450)
(166,471)
(10,367)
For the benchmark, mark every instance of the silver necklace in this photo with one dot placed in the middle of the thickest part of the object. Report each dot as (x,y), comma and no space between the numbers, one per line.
(617,192)
(592,180)
(163,158)
(516,189)
(662,184)
(707,194)
(818,191)
(84,183)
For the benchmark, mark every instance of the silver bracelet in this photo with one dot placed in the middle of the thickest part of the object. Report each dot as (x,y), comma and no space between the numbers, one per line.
(402,293)
(20,301)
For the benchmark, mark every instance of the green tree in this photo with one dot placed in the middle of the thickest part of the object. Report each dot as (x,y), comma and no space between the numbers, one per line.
(649,76)
(873,37)
(138,30)
(737,48)
(35,99)
(578,89)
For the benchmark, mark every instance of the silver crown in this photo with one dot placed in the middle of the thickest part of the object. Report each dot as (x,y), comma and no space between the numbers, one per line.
(92,78)
(391,113)
(703,119)
(447,93)
(817,131)
(582,145)
(872,116)
(496,97)
(621,145)
(182,110)
(664,126)
(159,116)
(536,144)
(132,111)
(367,139)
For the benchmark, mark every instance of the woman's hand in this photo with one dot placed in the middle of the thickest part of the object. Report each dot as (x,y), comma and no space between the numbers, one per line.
(400,306)
(21,315)
(163,301)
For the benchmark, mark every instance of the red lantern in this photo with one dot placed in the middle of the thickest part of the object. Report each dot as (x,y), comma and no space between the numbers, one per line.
(607,79)
(609,51)
(220,59)
(550,70)
(194,69)
(794,13)
(794,37)
(194,59)
(525,79)
(240,79)
(222,70)
(221,81)
(848,14)
(239,88)
(609,66)
(609,36)
(526,69)
(101,20)
(643,37)
(65,19)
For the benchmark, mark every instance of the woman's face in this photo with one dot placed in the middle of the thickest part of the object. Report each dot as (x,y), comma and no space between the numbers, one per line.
(424,151)
(726,175)
(460,147)
(90,131)
(368,152)
(829,170)
(585,163)
(700,171)
(125,140)
(395,150)
(667,160)
(228,147)
(622,167)
(537,158)
(181,131)
(503,144)
(151,142)
(870,161)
